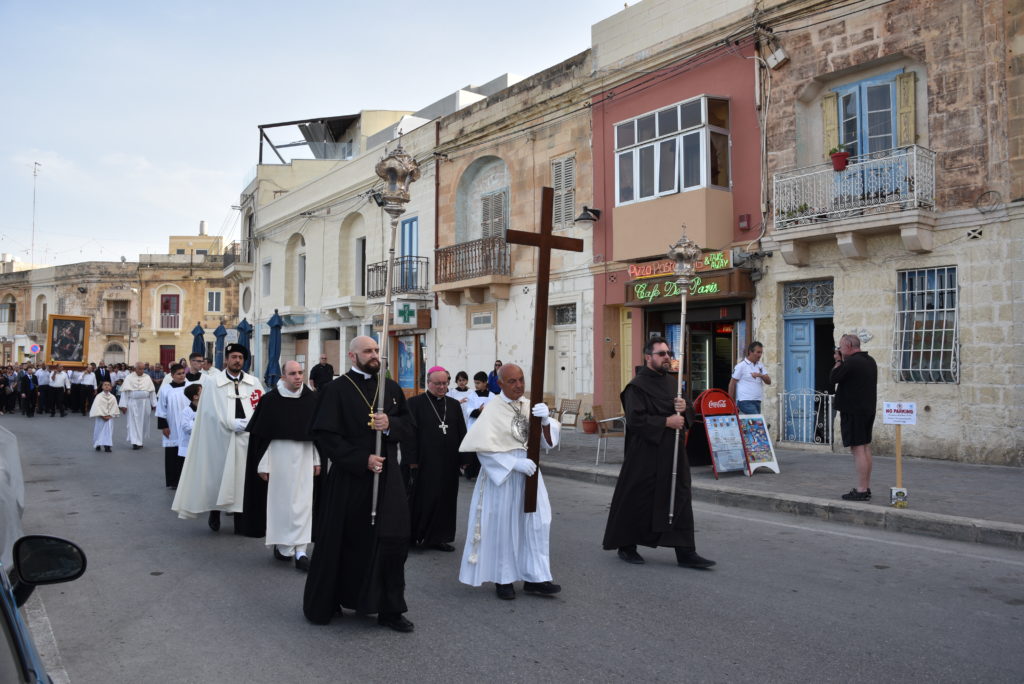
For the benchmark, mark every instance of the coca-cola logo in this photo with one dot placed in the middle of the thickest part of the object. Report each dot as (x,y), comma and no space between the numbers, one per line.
(717,404)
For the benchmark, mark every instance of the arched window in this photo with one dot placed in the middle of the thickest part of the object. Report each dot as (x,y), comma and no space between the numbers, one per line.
(295,271)
(482,201)
(114,353)
(352,256)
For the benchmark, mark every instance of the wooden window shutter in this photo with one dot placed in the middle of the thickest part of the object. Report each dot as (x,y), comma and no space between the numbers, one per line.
(558,183)
(906,114)
(829,123)
(563,180)
(498,213)
(485,215)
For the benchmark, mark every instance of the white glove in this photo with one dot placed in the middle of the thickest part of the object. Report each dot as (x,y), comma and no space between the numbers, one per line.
(240,424)
(543,412)
(525,466)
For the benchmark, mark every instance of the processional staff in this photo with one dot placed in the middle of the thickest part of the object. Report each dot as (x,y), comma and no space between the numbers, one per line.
(398,170)
(685,253)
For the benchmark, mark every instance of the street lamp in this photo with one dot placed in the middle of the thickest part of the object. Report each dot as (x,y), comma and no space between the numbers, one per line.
(685,253)
(398,170)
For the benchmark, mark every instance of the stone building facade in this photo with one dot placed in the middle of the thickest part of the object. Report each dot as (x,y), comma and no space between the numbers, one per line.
(916,245)
(494,159)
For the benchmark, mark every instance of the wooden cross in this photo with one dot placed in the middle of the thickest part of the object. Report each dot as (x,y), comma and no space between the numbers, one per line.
(545,241)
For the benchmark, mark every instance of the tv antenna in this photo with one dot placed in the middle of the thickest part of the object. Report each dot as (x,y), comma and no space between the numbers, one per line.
(32,252)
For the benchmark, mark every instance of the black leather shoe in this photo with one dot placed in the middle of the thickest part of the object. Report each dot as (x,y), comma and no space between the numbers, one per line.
(506,592)
(214,521)
(443,547)
(106,449)
(630,555)
(301,563)
(136,447)
(280,556)
(396,622)
(542,588)
(690,559)
(97,448)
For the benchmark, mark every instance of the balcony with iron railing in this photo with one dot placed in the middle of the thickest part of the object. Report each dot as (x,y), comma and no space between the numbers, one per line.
(170,321)
(470,269)
(238,261)
(891,190)
(409,275)
(115,326)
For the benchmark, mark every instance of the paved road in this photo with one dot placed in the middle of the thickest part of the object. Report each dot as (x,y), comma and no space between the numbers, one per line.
(166,600)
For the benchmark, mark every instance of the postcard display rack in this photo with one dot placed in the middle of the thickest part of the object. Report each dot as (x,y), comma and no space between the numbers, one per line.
(736,443)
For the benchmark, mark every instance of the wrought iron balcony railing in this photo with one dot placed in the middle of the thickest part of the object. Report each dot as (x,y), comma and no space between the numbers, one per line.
(895,180)
(116,326)
(35,327)
(466,260)
(170,321)
(411,275)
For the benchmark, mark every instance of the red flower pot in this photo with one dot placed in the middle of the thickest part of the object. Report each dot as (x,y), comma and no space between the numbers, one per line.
(840,160)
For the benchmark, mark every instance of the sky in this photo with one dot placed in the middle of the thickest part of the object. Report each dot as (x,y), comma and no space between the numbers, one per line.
(143,116)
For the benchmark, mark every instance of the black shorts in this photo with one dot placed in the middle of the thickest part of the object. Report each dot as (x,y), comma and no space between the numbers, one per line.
(856,428)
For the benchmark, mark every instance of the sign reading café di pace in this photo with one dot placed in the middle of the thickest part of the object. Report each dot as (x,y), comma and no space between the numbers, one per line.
(652,282)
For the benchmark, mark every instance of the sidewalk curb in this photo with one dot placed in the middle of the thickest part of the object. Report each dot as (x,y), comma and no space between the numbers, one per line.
(952,527)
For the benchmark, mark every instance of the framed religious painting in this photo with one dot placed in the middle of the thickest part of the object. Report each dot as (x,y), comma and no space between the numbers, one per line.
(67,340)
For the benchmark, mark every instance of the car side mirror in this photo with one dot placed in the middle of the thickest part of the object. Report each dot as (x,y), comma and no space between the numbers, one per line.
(40,559)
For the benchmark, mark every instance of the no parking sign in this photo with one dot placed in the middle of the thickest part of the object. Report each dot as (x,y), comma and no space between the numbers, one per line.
(35,349)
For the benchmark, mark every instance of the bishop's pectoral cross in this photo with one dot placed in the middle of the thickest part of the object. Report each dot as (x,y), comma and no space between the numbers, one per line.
(444,427)
(545,242)
(369,423)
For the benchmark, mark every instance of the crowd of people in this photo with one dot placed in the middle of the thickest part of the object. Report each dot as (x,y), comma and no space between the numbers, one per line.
(349,464)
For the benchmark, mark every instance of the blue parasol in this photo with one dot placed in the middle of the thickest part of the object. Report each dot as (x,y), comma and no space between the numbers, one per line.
(244,332)
(273,373)
(198,343)
(218,348)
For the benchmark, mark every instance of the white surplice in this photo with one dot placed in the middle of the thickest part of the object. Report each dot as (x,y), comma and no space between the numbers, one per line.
(504,544)
(103,430)
(138,395)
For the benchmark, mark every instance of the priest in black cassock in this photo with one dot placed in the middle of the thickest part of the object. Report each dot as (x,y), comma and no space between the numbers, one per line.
(639,511)
(357,565)
(434,461)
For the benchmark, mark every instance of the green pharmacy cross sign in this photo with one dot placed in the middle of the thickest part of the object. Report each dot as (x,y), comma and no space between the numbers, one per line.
(406,313)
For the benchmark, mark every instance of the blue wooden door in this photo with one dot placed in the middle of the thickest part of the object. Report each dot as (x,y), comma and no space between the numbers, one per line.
(799,409)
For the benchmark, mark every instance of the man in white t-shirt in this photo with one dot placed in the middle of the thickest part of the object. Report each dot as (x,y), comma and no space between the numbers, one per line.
(748,380)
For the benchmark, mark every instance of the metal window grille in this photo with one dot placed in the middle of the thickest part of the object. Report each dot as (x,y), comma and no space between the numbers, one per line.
(926,344)
(808,297)
(565,314)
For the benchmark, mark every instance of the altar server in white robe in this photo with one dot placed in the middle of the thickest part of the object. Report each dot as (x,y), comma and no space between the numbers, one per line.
(138,398)
(504,544)
(282,454)
(104,410)
(170,401)
(213,475)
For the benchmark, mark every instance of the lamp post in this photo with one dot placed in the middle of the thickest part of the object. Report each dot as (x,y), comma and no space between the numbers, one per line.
(398,170)
(685,253)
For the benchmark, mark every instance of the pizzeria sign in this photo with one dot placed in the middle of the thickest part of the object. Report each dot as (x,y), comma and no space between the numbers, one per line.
(710,261)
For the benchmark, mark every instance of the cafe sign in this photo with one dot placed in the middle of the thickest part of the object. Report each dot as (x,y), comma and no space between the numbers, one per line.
(733,283)
(710,261)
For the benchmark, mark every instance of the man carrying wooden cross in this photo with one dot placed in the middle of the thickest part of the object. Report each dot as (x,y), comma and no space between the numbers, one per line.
(504,544)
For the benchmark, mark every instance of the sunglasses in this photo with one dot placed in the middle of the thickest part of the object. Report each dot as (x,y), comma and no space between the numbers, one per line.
(663,353)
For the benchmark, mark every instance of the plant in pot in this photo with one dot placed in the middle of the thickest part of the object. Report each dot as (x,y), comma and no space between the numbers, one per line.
(840,157)
(589,424)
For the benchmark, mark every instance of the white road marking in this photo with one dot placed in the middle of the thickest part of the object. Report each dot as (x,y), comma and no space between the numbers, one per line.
(46,643)
(711,509)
